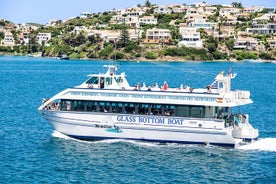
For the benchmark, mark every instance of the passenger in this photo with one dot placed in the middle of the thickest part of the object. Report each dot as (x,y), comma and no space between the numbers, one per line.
(149,89)
(165,86)
(102,82)
(209,89)
(189,89)
(138,87)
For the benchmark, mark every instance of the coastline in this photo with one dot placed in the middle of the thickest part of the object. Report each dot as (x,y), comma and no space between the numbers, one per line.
(159,59)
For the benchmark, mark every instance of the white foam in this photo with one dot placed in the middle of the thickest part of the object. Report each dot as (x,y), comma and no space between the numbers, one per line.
(266,144)
(60,135)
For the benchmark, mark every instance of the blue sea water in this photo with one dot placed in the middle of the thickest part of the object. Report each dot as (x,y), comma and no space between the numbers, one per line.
(31,152)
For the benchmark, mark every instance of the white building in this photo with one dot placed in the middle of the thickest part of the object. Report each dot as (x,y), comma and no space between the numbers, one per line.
(132,21)
(253,9)
(8,39)
(79,29)
(265,18)
(163,10)
(190,37)
(229,11)
(209,26)
(157,36)
(246,43)
(43,37)
(148,20)
(262,29)
(106,35)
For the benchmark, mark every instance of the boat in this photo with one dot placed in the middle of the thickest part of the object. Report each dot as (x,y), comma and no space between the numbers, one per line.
(64,57)
(105,106)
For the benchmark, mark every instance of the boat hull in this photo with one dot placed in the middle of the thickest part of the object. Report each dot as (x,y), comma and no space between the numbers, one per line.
(95,126)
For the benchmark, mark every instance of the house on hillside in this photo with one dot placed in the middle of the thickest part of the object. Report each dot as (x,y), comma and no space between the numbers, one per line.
(8,39)
(43,37)
(79,29)
(162,10)
(148,20)
(229,11)
(263,29)
(134,34)
(24,37)
(253,9)
(106,35)
(190,37)
(248,43)
(132,21)
(207,26)
(208,10)
(191,11)
(196,18)
(265,18)
(272,42)
(157,36)
(177,8)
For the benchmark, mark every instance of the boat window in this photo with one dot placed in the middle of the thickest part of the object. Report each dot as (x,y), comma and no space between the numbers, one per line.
(92,106)
(156,109)
(105,107)
(66,105)
(143,109)
(137,108)
(119,79)
(197,112)
(93,80)
(130,108)
(183,111)
(78,105)
(108,80)
(168,110)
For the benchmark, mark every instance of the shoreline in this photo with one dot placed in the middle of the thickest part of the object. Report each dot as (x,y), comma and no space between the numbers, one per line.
(169,59)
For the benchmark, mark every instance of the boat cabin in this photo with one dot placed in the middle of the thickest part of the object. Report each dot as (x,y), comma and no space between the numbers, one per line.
(109,80)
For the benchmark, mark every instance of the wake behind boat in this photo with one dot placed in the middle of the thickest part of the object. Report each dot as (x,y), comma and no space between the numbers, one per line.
(106,107)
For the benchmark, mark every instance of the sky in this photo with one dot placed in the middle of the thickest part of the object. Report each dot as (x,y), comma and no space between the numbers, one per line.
(42,11)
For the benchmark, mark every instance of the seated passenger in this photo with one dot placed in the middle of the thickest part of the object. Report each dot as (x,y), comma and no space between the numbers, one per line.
(165,86)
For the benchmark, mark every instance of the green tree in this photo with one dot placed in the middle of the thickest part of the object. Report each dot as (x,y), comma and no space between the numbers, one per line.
(230,43)
(236,5)
(2,36)
(124,38)
(147,4)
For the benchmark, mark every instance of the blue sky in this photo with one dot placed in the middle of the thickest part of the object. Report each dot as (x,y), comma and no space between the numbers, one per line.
(41,11)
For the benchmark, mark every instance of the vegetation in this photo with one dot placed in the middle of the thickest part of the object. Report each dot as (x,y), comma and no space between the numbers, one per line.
(65,39)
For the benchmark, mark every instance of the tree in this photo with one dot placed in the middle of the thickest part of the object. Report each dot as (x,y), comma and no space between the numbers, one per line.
(230,43)
(2,36)
(236,5)
(124,38)
(147,4)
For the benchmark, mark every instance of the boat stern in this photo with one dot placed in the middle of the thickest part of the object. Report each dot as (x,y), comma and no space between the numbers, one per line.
(245,132)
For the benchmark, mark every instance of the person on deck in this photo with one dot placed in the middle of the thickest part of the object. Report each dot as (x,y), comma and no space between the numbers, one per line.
(165,86)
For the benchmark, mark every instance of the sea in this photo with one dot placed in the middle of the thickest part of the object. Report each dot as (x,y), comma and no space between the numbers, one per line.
(32,152)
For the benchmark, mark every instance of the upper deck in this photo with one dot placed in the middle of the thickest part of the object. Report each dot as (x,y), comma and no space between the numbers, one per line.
(110,86)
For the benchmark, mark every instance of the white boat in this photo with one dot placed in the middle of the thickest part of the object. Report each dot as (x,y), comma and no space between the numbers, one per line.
(106,107)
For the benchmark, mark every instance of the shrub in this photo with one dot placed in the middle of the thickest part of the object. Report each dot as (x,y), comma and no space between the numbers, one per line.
(265,56)
(151,55)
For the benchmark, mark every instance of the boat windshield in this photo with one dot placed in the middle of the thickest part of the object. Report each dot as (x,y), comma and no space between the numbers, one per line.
(93,80)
